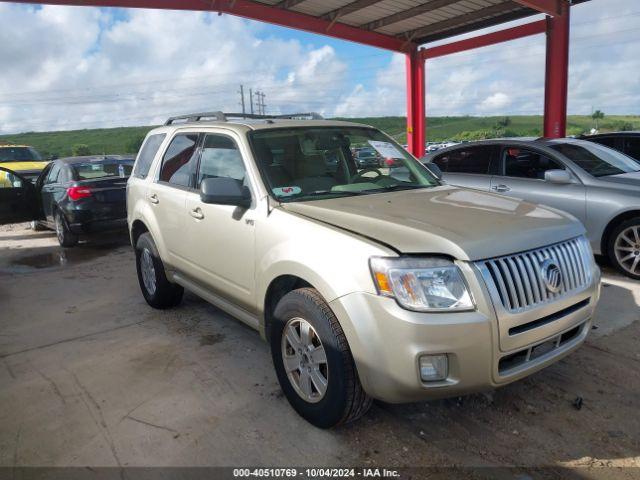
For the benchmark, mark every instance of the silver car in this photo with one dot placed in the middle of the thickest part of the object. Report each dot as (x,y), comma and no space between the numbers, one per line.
(598,185)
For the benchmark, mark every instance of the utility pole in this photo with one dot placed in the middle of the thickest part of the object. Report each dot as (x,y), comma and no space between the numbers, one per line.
(251,99)
(241,92)
(261,104)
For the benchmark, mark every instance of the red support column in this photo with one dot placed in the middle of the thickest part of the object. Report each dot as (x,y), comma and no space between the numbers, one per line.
(415,103)
(557,74)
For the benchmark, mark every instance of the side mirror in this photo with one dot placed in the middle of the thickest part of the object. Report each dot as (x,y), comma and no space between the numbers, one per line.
(561,177)
(225,191)
(435,169)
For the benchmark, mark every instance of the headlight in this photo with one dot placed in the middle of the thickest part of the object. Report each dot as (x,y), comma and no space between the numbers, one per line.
(422,284)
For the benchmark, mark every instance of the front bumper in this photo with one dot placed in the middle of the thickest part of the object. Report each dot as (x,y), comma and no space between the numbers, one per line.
(387,341)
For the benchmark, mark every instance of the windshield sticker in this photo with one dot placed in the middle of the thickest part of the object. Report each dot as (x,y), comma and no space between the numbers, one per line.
(386,149)
(286,191)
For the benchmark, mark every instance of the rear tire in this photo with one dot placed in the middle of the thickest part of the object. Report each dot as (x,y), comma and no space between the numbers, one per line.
(320,379)
(624,248)
(66,238)
(159,292)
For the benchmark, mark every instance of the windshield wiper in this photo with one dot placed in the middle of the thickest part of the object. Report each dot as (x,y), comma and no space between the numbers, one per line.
(395,188)
(321,193)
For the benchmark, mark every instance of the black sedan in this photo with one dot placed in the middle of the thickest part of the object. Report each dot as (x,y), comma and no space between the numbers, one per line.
(625,142)
(366,157)
(72,196)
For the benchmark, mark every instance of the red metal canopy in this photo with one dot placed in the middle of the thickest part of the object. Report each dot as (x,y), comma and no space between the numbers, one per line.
(403,26)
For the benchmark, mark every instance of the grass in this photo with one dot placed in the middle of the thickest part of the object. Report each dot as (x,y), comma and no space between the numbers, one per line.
(128,139)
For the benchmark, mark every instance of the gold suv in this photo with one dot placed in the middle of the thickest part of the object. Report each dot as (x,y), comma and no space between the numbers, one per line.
(376,282)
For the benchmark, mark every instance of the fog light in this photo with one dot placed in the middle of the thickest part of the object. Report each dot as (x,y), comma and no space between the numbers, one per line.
(433,367)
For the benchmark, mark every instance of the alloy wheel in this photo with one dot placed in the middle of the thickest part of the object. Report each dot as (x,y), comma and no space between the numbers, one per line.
(305,360)
(627,249)
(148,271)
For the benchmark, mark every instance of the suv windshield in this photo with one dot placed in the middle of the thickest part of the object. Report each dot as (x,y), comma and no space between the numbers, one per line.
(19,154)
(309,163)
(597,160)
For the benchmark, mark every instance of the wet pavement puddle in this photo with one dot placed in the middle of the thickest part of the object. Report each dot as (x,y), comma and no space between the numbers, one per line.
(24,260)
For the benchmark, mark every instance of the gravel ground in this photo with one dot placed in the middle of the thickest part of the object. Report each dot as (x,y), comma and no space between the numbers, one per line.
(90,375)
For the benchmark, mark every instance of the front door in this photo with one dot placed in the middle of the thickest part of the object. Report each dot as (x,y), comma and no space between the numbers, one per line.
(17,198)
(221,238)
(523,177)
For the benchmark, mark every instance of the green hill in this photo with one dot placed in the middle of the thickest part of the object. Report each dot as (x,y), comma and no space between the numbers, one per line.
(128,139)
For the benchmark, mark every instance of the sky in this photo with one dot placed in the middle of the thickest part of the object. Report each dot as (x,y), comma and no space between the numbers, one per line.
(79,67)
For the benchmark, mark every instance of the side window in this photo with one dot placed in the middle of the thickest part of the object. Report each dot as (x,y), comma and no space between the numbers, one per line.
(522,163)
(631,147)
(147,154)
(178,163)
(474,160)
(65,175)
(54,173)
(9,180)
(220,158)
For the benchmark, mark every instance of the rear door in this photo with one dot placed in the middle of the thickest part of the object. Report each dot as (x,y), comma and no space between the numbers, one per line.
(52,190)
(17,198)
(469,167)
(167,195)
(521,175)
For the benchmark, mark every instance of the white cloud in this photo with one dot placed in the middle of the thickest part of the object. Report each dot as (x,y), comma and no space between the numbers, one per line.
(496,102)
(75,67)
(508,79)
(81,67)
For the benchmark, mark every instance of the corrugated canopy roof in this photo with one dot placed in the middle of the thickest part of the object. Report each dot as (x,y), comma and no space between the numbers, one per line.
(392,24)
(416,21)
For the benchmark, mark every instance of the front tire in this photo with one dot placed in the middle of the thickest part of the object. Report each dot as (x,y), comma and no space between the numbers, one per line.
(313,361)
(159,292)
(624,248)
(66,238)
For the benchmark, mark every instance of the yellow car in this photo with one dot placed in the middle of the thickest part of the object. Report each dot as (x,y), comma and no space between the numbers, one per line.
(21,159)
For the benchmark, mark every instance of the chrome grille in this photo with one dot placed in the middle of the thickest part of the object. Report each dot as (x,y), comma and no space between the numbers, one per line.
(518,278)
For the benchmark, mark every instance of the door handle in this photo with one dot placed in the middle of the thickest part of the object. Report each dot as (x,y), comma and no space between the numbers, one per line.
(153,198)
(501,188)
(197,213)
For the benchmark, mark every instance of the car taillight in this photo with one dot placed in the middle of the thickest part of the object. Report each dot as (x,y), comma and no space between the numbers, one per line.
(76,193)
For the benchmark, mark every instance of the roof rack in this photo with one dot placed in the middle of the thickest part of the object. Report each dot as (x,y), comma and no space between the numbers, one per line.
(224,117)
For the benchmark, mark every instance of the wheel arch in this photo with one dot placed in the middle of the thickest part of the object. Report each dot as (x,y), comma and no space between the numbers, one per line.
(278,288)
(138,227)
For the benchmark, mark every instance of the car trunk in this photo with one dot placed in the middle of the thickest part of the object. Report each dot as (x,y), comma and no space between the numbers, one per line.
(107,199)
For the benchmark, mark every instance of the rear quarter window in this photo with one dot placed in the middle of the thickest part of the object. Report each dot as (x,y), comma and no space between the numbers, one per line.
(147,154)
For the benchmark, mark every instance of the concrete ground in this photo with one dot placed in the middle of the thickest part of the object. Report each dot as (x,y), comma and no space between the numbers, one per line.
(91,376)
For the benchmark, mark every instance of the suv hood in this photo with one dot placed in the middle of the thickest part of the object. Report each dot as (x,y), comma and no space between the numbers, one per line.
(465,224)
